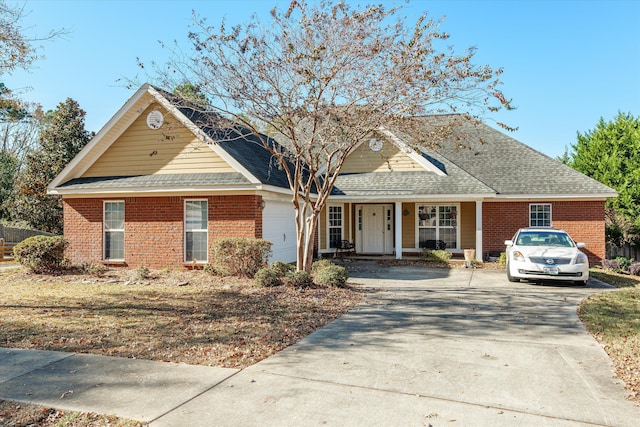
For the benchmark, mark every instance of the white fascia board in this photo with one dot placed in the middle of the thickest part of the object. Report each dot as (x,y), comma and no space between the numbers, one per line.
(70,171)
(203,136)
(143,191)
(274,189)
(568,197)
(416,198)
(191,188)
(405,148)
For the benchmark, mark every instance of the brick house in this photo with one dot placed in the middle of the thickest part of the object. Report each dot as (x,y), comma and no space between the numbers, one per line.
(154,188)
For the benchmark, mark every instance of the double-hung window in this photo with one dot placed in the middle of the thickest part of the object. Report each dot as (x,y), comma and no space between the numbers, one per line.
(113,240)
(335,226)
(540,215)
(437,224)
(196,213)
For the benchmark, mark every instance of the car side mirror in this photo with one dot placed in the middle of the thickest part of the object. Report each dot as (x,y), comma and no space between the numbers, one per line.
(581,245)
(508,242)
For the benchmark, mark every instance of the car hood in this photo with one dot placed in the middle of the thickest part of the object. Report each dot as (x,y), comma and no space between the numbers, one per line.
(548,251)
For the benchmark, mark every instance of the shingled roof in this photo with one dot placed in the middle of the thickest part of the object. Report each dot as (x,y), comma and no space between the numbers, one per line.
(488,164)
(512,168)
(244,146)
(256,165)
(454,181)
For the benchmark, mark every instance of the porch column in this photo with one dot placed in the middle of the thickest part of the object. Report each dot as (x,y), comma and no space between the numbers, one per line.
(398,229)
(479,230)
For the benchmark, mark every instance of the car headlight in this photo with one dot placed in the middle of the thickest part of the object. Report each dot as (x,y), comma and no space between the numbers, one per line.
(582,258)
(517,256)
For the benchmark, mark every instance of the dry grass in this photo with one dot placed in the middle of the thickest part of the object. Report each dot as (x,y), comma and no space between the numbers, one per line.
(13,414)
(613,318)
(619,280)
(189,317)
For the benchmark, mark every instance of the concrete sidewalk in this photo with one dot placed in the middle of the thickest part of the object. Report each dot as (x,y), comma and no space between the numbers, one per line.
(431,347)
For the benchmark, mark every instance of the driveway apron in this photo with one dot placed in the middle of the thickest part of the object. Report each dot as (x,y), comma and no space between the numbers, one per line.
(431,347)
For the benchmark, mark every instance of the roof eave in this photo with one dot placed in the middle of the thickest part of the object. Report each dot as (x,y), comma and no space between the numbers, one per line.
(141,190)
(187,189)
(403,197)
(556,196)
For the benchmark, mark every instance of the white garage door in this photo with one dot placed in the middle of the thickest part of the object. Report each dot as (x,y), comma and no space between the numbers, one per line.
(279,227)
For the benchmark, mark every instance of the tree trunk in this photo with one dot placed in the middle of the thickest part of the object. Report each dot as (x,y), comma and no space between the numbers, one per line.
(309,241)
(300,238)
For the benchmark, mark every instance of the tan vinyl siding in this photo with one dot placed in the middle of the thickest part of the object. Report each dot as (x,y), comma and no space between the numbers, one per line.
(409,225)
(170,149)
(467,225)
(389,158)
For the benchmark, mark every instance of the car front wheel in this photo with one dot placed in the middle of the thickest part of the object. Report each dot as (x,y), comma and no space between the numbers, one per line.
(510,277)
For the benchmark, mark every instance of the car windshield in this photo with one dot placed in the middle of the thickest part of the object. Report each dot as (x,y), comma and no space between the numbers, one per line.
(544,238)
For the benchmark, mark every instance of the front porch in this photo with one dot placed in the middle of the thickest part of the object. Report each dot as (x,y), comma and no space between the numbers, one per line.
(377,229)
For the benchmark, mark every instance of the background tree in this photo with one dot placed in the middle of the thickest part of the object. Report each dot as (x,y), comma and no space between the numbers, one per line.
(191,93)
(324,78)
(63,135)
(609,154)
(19,121)
(17,51)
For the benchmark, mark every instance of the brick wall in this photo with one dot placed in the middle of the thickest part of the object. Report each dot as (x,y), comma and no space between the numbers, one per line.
(583,220)
(154,231)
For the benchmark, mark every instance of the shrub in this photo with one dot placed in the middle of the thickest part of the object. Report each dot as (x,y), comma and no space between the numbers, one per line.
(634,269)
(299,279)
(239,256)
(331,275)
(267,277)
(502,259)
(282,268)
(142,273)
(212,270)
(624,263)
(42,254)
(437,256)
(610,264)
(94,268)
(321,263)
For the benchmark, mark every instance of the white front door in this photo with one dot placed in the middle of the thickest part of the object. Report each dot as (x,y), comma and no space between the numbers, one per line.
(376,231)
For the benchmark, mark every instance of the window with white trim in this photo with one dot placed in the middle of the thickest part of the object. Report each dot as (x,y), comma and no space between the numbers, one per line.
(437,225)
(334,226)
(196,215)
(540,215)
(113,239)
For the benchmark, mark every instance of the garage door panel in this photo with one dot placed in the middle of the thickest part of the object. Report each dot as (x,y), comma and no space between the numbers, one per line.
(278,227)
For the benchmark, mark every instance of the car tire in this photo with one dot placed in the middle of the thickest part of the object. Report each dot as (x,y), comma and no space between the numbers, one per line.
(510,277)
(580,283)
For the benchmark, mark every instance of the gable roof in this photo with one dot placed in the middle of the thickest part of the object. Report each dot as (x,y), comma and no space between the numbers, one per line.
(507,166)
(243,152)
(244,147)
(491,163)
(449,181)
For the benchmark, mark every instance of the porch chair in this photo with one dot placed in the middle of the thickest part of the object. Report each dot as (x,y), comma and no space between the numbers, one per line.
(345,247)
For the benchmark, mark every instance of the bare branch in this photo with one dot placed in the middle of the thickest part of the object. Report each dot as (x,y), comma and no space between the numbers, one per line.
(323,78)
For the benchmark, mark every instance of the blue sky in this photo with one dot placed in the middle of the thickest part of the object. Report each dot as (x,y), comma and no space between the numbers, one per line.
(567,63)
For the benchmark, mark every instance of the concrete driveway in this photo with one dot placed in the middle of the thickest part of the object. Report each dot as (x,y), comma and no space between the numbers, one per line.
(432,347)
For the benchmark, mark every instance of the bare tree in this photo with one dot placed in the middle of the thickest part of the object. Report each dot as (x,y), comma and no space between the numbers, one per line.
(17,51)
(324,78)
